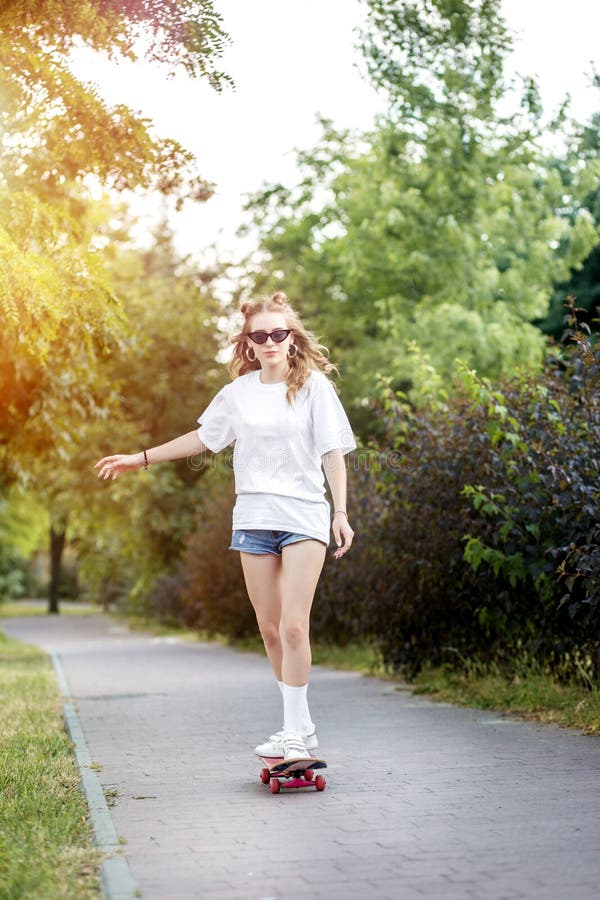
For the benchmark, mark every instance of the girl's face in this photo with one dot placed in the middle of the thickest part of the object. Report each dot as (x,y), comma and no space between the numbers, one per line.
(270,354)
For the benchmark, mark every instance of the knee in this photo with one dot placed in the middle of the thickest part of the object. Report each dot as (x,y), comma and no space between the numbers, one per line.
(269,632)
(293,634)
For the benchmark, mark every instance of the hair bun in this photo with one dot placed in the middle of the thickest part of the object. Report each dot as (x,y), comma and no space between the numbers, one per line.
(245,306)
(280,298)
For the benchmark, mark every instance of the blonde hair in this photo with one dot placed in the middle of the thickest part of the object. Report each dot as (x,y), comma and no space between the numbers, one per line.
(310,355)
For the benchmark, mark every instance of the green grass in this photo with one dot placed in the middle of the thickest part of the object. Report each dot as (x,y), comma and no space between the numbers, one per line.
(45,842)
(15,608)
(531,695)
(150,626)
(355,657)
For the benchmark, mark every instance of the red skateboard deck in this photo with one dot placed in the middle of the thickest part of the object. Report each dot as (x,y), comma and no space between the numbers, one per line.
(281,773)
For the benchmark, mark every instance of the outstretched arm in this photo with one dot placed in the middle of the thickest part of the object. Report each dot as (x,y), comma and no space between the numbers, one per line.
(186,445)
(335,470)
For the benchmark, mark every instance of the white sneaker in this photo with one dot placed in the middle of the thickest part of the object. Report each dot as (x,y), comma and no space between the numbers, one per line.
(274,746)
(294,747)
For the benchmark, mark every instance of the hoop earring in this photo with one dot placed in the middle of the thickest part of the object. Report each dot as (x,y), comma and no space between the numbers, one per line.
(248,357)
(295,353)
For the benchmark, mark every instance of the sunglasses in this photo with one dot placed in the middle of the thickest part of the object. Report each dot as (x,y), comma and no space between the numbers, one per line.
(278,336)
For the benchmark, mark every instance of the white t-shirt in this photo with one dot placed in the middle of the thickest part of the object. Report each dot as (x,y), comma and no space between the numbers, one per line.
(279,481)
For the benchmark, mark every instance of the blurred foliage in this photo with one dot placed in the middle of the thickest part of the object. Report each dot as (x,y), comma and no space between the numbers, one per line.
(584,282)
(207,592)
(60,314)
(64,327)
(56,129)
(130,532)
(17,541)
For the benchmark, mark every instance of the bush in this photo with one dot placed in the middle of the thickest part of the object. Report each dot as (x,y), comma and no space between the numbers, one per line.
(349,588)
(207,591)
(421,596)
(12,575)
(12,584)
(211,592)
(486,542)
(539,515)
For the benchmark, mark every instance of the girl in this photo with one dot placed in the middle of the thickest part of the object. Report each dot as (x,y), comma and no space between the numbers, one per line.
(288,427)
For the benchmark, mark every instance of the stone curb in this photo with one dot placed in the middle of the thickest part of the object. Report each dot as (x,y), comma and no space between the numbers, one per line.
(117,881)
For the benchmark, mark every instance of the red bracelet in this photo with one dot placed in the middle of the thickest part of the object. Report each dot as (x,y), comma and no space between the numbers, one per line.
(146,463)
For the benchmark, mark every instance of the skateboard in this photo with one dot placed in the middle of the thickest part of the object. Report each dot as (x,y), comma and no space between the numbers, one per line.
(280,773)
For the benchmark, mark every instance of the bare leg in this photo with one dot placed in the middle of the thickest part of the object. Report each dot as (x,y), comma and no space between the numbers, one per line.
(301,568)
(262,574)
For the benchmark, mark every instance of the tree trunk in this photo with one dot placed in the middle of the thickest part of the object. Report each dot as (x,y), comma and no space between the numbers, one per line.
(58,534)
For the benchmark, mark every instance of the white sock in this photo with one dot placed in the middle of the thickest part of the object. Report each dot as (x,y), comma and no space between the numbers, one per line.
(308,726)
(280,684)
(294,703)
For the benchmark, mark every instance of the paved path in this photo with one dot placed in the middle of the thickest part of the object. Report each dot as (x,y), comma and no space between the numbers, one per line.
(437,802)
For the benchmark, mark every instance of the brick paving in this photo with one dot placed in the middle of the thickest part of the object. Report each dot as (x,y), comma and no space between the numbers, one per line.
(423,800)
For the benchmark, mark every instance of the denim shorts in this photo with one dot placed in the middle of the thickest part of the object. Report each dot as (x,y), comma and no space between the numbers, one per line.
(261,540)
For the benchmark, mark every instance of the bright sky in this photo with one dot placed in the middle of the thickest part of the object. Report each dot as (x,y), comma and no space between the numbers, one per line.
(292,59)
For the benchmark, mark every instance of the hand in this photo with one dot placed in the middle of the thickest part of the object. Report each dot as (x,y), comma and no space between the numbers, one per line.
(342,534)
(113,466)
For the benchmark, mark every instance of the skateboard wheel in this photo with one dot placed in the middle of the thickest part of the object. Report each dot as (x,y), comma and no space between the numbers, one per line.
(320,783)
(265,776)
(309,774)
(274,785)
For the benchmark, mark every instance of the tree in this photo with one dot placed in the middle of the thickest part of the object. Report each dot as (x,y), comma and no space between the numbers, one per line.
(440,59)
(584,280)
(57,130)
(130,533)
(441,233)
(62,319)
(23,528)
